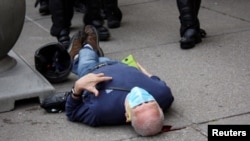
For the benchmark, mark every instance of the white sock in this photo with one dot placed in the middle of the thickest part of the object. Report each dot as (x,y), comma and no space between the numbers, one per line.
(88,45)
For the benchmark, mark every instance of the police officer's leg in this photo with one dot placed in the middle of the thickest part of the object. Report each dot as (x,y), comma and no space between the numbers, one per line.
(197,4)
(93,17)
(190,26)
(61,15)
(113,13)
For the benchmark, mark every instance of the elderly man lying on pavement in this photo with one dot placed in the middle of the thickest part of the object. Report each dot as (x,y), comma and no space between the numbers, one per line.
(110,92)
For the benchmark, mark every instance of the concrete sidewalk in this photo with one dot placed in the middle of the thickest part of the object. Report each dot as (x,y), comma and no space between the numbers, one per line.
(211,82)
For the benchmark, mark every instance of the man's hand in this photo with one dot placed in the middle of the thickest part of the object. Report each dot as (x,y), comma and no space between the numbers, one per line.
(89,81)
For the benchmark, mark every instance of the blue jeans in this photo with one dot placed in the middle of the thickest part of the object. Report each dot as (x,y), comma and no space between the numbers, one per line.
(87,61)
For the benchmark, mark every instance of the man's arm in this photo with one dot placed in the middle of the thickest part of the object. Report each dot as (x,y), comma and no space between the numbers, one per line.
(76,110)
(143,70)
(162,92)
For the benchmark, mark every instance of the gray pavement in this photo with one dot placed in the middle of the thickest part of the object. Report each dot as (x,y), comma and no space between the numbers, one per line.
(211,82)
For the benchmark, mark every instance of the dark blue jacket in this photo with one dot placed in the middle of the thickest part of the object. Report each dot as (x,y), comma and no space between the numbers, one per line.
(108,108)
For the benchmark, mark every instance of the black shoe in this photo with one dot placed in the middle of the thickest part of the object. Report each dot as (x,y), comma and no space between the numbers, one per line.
(55,103)
(203,33)
(114,18)
(114,23)
(103,14)
(97,23)
(64,38)
(190,38)
(79,6)
(103,33)
(44,7)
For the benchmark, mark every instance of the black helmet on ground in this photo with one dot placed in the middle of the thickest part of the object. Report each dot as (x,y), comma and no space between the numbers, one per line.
(53,62)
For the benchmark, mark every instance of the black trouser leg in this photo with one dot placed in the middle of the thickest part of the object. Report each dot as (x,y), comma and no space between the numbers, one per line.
(113,13)
(197,4)
(188,15)
(61,15)
(93,13)
(93,17)
(190,26)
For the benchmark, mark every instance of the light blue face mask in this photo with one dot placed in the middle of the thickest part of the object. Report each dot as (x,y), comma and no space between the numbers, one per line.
(138,96)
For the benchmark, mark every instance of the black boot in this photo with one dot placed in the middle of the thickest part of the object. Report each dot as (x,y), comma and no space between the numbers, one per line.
(79,6)
(44,7)
(113,13)
(64,38)
(190,27)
